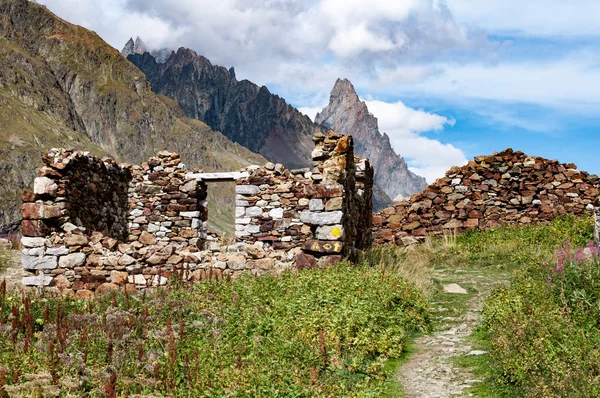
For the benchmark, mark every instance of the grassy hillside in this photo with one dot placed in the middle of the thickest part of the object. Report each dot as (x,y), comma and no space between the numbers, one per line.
(62,85)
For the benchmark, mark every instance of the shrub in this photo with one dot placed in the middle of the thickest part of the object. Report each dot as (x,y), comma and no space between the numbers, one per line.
(308,333)
(545,327)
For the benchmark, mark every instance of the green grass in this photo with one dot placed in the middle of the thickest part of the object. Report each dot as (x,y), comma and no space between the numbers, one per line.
(310,333)
(496,254)
(542,328)
(4,260)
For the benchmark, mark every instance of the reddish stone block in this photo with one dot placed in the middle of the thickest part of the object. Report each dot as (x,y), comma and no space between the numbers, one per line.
(320,191)
(305,261)
(35,228)
(27,196)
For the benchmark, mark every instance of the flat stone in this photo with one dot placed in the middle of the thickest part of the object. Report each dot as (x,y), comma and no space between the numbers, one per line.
(39,211)
(136,212)
(253,229)
(32,242)
(320,191)
(138,279)
(477,352)
(330,232)
(72,260)
(106,288)
(238,263)
(39,262)
(57,251)
(38,280)
(44,186)
(276,214)
(254,211)
(76,240)
(147,238)
(334,204)
(118,277)
(326,218)
(327,247)
(189,186)
(247,189)
(152,228)
(190,214)
(454,288)
(316,205)
(126,260)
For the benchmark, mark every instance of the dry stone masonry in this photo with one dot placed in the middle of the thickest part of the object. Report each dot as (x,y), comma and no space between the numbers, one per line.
(93,225)
(508,187)
(324,211)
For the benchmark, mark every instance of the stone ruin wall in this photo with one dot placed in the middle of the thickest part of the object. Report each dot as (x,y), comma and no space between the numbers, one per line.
(318,215)
(92,225)
(505,188)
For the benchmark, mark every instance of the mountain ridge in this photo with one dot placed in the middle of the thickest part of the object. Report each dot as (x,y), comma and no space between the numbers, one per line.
(62,85)
(347,114)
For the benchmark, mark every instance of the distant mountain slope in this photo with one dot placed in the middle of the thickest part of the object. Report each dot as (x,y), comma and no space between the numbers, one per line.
(61,85)
(347,114)
(244,112)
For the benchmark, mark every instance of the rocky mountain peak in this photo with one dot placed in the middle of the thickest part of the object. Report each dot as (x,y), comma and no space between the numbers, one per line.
(139,47)
(347,114)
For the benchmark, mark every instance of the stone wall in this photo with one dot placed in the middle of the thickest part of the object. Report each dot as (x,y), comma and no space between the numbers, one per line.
(508,187)
(92,224)
(323,210)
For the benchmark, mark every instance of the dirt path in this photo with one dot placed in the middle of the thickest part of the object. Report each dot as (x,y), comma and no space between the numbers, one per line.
(431,372)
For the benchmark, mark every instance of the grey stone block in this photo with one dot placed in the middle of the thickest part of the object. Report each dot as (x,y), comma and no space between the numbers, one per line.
(247,189)
(57,251)
(38,280)
(316,205)
(39,262)
(72,260)
(326,218)
(32,242)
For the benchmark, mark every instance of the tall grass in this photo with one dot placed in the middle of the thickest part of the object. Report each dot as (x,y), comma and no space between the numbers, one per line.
(309,333)
(543,329)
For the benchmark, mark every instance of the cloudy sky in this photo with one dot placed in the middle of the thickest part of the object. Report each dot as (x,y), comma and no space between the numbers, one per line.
(448,80)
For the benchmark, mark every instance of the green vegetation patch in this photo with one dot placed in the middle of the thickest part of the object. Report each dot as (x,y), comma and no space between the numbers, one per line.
(543,329)
(301,334)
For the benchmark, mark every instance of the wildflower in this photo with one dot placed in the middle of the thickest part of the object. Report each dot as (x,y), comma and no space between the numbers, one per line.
(560,266)
(580,256)
(593,249)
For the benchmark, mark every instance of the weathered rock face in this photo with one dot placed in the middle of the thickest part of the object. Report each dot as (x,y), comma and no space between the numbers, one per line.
(507,187)
(139,47)
(347,114)
(246,113)
(61,85)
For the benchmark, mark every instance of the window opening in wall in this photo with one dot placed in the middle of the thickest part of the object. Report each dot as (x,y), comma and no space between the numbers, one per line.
(221,211)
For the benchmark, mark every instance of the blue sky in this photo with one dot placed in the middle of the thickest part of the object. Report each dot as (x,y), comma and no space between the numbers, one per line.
(448,80)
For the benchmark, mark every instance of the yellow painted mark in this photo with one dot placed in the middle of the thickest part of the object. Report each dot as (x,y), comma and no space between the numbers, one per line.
(336,232)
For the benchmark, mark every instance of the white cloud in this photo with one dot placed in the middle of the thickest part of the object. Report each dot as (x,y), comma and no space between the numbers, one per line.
(427,157)
(566,83)
(531,17)
(311,112)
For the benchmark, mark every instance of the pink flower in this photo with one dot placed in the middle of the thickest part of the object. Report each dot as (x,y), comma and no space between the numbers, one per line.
(560,266)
